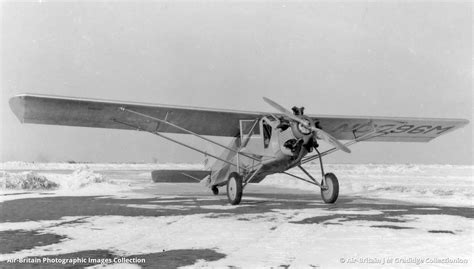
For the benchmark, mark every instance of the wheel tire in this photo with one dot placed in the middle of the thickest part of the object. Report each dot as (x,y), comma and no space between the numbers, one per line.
(215,190)
(234,189)
(330,194)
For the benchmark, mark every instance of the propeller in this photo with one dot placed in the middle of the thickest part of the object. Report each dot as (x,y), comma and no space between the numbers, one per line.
(317,132)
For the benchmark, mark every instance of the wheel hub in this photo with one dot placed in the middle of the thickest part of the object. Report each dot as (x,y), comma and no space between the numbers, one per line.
(232,188)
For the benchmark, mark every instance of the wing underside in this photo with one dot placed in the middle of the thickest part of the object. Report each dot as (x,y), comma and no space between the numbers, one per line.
(388,129)
(108,114)
(69,111)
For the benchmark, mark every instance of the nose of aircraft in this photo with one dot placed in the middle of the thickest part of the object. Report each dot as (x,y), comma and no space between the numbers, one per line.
(317,132)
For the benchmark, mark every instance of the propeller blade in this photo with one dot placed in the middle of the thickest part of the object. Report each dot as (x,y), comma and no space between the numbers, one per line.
(330,139)
(284,111)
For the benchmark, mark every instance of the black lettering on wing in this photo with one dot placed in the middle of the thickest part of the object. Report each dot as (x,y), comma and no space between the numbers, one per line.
(385,128)
(402,129)
(441,129)
(420,129)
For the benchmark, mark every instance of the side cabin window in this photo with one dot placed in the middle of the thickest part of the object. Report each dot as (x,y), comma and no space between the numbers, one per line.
(246,127)
(267,134)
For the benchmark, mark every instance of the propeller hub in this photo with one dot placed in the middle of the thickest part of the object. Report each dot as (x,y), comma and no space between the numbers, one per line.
(304,128)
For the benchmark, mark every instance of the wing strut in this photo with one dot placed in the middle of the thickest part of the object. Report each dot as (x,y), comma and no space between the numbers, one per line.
(138,128)
(187,131)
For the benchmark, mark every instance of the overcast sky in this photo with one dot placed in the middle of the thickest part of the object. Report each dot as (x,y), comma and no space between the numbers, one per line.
(354,58)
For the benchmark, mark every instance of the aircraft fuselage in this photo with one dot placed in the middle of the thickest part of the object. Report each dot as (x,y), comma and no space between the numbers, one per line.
(278,145)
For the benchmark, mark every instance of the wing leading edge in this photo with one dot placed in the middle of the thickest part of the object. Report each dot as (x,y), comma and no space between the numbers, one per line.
(69,111)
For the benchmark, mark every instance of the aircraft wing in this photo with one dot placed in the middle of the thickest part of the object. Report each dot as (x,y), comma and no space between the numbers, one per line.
(55,110)
(390,129)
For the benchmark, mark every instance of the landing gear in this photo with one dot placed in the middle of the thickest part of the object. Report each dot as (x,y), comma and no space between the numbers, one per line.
(234,189)
(329,184)
(215,190)
(329,188)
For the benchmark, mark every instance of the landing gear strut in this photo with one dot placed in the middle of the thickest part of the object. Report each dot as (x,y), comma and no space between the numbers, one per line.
(329,184)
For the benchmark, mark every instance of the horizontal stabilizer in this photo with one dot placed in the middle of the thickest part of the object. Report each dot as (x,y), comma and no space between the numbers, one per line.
(179,176)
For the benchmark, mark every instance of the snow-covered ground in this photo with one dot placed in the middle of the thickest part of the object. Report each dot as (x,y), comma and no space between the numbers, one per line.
(94,166)
(416,215)
(435,184)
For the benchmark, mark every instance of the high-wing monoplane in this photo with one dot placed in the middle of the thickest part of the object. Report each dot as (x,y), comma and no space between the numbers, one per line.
(262,143)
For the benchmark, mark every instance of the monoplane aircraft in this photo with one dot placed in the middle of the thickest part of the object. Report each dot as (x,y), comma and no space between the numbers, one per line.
(263,143)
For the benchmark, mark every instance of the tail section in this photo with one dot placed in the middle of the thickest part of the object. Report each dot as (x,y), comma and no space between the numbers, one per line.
(179,176)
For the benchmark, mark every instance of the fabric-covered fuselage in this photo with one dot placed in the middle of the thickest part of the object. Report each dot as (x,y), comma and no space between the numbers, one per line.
(276,145)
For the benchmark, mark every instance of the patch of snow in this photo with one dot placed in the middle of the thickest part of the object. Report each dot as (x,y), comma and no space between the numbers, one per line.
(172,201)
(81,182)
(25,181)
(158,207)
(81,178)
(222,207)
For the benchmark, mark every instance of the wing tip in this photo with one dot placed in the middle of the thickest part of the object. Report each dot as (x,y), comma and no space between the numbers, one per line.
(464,121)
(17,105)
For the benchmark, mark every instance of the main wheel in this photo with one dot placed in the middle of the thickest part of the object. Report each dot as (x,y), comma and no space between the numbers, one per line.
(234,189)
(215,190)
(330,191)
